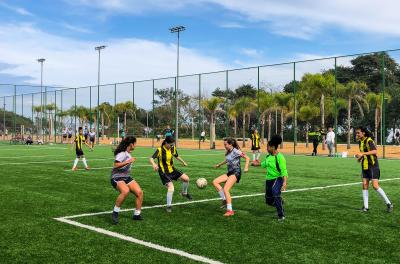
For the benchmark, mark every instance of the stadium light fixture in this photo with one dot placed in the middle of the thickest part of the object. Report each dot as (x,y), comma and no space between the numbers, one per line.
(98,48)
(177,29)
(41,61)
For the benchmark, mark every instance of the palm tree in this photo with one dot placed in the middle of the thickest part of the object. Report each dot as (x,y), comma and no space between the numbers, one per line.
(282,100)
(375,101)
(105,110)
(50,108)
(319,86)
(37,109)
(244,105)
(307,113)
(266,105)
(354,91)
(232,113)
(212,105)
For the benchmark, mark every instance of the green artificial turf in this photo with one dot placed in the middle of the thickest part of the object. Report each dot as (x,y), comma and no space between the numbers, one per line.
(322,225)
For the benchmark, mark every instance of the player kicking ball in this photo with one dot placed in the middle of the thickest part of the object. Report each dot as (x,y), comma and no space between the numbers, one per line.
(165,167)
(79,141)
(369,167)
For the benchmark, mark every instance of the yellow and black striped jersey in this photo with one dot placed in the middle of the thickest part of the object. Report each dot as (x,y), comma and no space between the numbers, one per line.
(79,141)
(255,140)
(165,158)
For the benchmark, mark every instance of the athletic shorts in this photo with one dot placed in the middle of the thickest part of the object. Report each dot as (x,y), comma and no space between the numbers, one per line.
(168,177)
(69,136)
(373,173)
(127,180)
(255,148)
(64,136)
(86,136)
(237,173)
(79,153)
(91,139)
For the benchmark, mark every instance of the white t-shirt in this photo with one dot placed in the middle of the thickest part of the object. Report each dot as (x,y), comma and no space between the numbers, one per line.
(125,170)
(203,134)
(330,137)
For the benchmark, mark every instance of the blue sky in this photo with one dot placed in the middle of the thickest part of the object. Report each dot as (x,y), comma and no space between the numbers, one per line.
(220,35)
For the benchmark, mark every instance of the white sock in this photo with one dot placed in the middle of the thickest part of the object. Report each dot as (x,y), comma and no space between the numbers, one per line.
(116,209)
(75,163)
(254,156)
(383,195)
(169,198)
(258,156)
(185,187)
(137,212)
(229,207)
(84,162)
(365,198)
(222,194)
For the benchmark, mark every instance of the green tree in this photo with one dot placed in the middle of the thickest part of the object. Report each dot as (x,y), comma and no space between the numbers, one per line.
(307,113)
(212,105)
(244,106)
(282,100)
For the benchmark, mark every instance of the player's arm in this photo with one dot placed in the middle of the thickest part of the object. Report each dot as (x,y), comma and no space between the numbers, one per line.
(152,162)
(118,164)
(284,172)
(88,145)
(220,164)
(247,159)
(181,160)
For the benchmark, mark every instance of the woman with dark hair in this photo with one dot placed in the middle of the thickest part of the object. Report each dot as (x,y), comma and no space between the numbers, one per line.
(369,167)
(232,159)
(277,174)
(165,167)
(121,179)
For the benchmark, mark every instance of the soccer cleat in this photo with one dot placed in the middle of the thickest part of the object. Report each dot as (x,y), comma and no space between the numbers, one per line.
(169,209)
(74,169)
(223,204)
(87,168)
(281,219)
(187,195)
(137,217)
(229,213)
(115,217)
(364,210)
(389,208)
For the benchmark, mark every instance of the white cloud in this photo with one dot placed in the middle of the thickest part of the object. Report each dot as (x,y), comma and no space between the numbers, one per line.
(16,9)
(75,28)
(73,63)
(231,25)
(251,52)
(300,19)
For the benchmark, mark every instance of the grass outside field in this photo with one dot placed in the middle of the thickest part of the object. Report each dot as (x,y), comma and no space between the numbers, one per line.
(322,225)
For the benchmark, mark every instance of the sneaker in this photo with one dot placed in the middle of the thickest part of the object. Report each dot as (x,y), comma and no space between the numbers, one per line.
(389,208)
(229,213)
(364,210)
(281,219)
(137,217)
(187,195)
(115,217)
(169,209)
(223,204)
(87,168)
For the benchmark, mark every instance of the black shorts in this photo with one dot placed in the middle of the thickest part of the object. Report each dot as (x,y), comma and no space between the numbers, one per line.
(237,173)
(255,148)
(127,180)
(373,173)
(69,136)
(79,153)
(168,177)
(91,139)
(86,136)
(64,136)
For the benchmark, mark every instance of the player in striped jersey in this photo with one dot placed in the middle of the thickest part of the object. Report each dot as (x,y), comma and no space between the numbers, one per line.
(165,167)
(255,147)
(79,141)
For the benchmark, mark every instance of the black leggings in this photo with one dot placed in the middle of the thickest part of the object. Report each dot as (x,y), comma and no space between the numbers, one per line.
(273,195)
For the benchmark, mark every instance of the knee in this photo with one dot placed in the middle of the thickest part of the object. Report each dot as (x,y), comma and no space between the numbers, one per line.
(125,192)
(269,201)
(376,186)
(215,183)
(171,187)
(139,194)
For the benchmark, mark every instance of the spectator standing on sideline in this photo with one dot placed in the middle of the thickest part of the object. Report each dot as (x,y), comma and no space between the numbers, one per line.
(330,141)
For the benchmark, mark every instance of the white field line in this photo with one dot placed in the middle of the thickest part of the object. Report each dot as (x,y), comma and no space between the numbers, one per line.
(34,148)
(66,219)
(63,161)
(233,197)
(140,242)
(103,168)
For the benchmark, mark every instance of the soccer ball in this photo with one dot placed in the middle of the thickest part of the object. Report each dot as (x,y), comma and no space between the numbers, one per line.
(201,183)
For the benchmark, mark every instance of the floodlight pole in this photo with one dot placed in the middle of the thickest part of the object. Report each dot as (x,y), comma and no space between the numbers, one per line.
(41,61)
(177,29)
(98,48)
